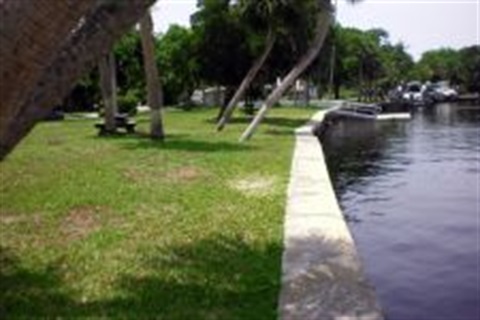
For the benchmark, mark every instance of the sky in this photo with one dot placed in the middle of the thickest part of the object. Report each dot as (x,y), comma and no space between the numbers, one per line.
(420,24)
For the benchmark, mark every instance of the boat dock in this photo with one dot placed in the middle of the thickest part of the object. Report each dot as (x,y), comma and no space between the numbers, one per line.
(385,111)
(469,98)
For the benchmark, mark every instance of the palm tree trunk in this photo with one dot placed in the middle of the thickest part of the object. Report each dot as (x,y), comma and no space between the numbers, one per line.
(77,54)
(306,92)
(271,37)
(223,97)
(336,88)
(108,85)
(324,19)
(29,40)
(154,86)
(22,57)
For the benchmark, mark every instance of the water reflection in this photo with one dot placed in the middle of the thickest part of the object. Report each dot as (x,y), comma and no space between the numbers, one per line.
(414,185)
(357,149)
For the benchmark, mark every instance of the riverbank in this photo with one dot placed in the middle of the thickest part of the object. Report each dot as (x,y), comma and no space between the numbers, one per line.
(322,275)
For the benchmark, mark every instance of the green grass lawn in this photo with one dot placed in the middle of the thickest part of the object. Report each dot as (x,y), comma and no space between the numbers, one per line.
(126,227)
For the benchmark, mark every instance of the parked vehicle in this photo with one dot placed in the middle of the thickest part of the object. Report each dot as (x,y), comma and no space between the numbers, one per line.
(443,92)
(413,92)
(430,93)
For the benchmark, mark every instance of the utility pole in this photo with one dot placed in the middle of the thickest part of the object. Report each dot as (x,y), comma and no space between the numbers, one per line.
(332,57)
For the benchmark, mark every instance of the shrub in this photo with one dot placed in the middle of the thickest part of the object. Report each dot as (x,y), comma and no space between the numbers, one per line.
(127,103)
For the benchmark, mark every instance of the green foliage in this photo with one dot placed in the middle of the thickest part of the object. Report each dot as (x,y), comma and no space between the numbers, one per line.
(230,35)
(130,77)
(129,64)
(220,43)
(459,67)
(287,18)
(291,21)
(85,95)
(363,59)
(398,62)
(227,36)
(470,68)
(178,64)
(358,56)
(441,64)
(127,102)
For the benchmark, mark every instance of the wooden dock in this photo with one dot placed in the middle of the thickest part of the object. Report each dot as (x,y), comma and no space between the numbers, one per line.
(469,98)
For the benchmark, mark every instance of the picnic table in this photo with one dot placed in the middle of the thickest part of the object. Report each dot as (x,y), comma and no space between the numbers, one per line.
(121,122)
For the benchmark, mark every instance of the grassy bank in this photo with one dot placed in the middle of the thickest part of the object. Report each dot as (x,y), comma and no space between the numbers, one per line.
(122,226)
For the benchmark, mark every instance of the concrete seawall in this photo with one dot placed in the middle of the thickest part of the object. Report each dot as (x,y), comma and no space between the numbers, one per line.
(322,275)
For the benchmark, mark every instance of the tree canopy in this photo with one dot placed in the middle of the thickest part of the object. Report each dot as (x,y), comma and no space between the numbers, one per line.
(220,47)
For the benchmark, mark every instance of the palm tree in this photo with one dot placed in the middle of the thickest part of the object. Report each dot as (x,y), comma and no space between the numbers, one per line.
(265,11)
(281,18)
(30,35)
(108,86)
(75,36)
(323,22)
(154,87)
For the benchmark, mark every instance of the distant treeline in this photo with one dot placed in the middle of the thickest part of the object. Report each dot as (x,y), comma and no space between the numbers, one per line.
(222,44)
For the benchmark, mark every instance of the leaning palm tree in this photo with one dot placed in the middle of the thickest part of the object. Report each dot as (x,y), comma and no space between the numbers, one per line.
(263,13)
(323,16)
(290,19)
(154,87)
(30,35)
(37,74)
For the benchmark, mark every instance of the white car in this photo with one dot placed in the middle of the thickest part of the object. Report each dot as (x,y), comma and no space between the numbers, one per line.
(444,93)
(413,92)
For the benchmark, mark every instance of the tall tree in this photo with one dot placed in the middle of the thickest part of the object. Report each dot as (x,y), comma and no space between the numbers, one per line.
(30,34)
(397,63)
(80,43)
(261,14)
(280,20)
(178,62)
(470,69)
(130,71)
(363,58)
(221,45)
(323,15)
(154,87)
(440,64)
(108,86)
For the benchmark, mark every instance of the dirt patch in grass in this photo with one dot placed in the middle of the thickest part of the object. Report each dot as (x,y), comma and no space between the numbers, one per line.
(10,218)
(176,175)
(254,186)
(142,174)
(133,175)
(54,141)
(81,221)
(184,174)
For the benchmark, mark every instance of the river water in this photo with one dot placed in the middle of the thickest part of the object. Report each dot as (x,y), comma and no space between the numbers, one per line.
(410,191)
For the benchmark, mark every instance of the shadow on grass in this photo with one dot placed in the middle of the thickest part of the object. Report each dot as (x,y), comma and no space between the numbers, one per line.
(25,292)
(219,277)
(272,121)
(280,132)
(215,278)
(179,142)
(187,145)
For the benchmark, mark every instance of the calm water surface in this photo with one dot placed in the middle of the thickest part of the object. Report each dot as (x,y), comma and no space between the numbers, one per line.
(411,193)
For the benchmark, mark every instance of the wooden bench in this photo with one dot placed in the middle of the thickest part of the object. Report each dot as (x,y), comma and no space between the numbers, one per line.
(121,122)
